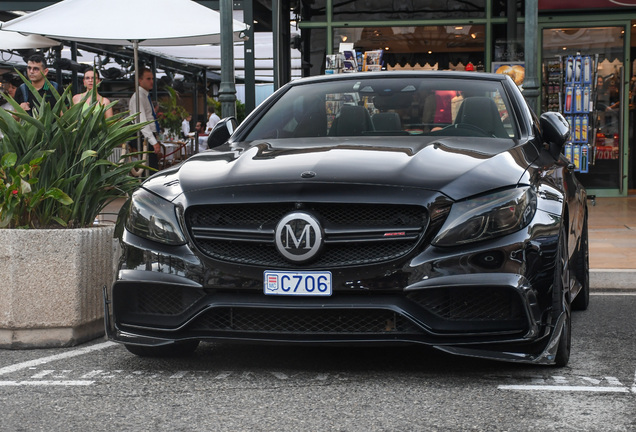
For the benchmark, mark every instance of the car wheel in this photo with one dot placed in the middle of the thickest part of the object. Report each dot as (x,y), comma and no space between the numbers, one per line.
(173,350)
(559,300)
(582,300)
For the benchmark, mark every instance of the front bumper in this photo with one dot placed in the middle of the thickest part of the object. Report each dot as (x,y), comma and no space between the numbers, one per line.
(491,300)
(508,327)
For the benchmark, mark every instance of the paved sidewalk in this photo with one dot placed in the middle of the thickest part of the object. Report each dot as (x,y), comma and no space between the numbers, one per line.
(612,231)
(612,234)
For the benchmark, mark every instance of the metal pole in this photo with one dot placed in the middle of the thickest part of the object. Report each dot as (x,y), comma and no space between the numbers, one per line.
(250,74)
(74,84)
(195,114)
(227,90)
(136,58)
(59,77)
(276,43)
(205,95)
(531,81)
(155,93)
(281,43)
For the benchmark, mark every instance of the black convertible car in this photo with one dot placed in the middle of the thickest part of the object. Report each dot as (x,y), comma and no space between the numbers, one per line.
(424,207)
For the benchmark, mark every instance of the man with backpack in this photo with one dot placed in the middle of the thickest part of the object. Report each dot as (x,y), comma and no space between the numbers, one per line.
(36,72)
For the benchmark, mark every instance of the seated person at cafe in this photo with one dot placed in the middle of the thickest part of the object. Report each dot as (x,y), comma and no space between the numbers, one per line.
(199,129)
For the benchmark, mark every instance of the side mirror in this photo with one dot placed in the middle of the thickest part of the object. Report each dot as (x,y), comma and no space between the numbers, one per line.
(556,131)
(222,132)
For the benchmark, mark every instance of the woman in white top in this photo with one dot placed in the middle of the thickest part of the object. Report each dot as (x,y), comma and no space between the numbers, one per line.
(90,79)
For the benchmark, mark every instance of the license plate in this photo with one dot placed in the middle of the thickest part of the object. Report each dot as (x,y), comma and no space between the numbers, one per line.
(316,283)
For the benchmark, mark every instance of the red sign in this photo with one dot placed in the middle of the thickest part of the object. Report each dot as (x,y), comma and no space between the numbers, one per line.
(584,4)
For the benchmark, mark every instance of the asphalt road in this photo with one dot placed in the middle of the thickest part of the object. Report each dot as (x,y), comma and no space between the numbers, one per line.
(101,387)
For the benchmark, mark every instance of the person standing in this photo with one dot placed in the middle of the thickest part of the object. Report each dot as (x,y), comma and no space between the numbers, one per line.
(212,120)
(91,78)
(36,72)
(10,85)
(185,125)
(147,113)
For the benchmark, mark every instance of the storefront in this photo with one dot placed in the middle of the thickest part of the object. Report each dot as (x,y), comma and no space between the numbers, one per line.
(489,36)
(588,76)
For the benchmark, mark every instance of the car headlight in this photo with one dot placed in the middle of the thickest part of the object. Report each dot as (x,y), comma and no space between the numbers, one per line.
(153,218)
(488,217)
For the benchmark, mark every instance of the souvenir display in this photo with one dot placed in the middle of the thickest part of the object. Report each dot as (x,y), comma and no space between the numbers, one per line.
(571,87)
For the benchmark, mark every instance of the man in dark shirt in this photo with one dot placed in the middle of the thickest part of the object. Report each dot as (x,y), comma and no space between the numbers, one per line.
(36,72)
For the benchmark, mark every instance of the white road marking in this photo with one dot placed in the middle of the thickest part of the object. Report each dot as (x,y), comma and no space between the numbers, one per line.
(538,384)
(280,375)
(613,381)
(45,383)
(42,374)
(223,375)
(564,388)
(65,355)
(591,380)
(613,293)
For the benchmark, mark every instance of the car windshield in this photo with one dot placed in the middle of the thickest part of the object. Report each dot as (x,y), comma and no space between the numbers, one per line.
(383,106)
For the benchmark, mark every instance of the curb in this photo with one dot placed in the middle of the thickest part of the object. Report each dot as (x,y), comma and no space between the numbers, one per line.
(612,279)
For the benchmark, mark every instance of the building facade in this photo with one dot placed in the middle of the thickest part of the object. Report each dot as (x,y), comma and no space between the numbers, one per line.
(585,60)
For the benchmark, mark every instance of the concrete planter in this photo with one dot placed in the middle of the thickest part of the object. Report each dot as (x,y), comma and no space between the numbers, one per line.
(51,285)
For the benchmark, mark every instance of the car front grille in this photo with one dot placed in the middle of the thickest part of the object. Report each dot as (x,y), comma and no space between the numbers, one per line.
(471,303)
(353,233)
(448,311)
(303,321)
(161,300)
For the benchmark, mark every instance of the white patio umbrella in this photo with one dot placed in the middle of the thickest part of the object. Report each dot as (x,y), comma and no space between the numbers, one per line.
(122,22)
(14,41)
(127,22)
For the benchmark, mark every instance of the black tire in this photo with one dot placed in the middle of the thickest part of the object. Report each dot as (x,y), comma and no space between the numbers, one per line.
(559,301)
(582,300)
(177,349)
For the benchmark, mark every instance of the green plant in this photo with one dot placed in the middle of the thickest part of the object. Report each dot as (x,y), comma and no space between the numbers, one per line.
(171,114)
(240,111)
(19,199)
(62,154)
(240,108)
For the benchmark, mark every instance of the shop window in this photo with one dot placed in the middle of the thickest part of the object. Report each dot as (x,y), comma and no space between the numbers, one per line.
(419,47)
(363,10)
(508,47)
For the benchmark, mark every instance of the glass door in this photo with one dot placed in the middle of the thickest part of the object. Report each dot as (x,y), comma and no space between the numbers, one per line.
(632,113)
(583,76)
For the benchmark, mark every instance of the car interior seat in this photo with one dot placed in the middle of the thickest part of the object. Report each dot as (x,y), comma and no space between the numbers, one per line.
(481,113)
(386,121)
(353,120)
